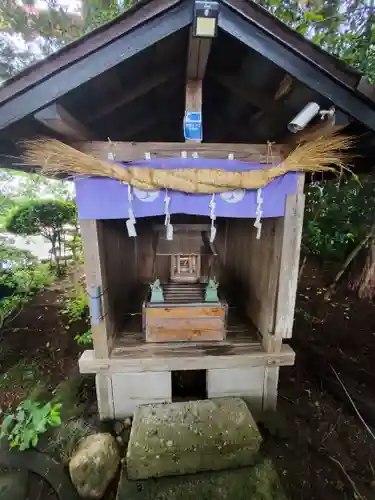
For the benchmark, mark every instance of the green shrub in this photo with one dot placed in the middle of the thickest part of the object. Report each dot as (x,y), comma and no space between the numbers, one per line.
(337,217)
(77,308)
(85,338)
(31,419)
(76,304)
(25,282)
(43,217)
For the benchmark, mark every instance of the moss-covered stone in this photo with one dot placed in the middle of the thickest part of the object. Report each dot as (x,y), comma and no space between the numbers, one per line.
(94,465)
(258,482)
(183,438)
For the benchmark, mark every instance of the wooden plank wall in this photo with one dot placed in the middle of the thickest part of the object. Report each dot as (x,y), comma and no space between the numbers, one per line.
(251,271)
(120,264)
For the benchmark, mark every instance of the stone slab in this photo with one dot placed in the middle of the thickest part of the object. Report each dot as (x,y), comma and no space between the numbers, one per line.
(259,482)
(188,437)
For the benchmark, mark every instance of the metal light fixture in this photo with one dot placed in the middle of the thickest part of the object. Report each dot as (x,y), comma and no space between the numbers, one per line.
(205,18)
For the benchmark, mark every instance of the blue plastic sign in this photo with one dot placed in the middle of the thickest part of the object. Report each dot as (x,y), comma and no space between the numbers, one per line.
(193,126)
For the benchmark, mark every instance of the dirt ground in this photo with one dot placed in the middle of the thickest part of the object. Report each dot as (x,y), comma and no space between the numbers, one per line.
(317,442)
(38,345)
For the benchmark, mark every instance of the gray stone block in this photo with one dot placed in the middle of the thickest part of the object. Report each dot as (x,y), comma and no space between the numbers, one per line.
(183,438)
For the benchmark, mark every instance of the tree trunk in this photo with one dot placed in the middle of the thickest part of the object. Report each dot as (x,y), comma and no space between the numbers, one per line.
(364,285)
(54,253)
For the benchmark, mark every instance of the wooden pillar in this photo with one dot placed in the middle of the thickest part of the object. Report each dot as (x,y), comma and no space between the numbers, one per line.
(290,227)
(93,250)
(197,57)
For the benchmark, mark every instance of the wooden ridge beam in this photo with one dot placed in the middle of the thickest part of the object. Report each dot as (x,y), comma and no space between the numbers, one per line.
(56,118)
(198,52)
(133,151)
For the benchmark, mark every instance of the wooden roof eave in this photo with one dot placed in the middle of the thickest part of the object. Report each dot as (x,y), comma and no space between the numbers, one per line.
(237,19)
(70,69)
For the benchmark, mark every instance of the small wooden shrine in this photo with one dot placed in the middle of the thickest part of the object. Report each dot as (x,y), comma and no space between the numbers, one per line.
(180,121)
(186,306)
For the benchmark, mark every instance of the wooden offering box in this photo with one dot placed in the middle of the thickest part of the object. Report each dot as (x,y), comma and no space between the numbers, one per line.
(184,322)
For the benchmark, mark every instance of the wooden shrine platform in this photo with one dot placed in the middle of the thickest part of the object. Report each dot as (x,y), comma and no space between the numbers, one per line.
(241,347)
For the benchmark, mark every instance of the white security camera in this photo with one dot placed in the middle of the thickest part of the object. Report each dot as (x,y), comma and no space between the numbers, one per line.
(304,117)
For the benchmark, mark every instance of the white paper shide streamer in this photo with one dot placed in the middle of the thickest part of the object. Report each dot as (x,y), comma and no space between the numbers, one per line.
(167,221)
(130,223)
(259,213)
(213,218)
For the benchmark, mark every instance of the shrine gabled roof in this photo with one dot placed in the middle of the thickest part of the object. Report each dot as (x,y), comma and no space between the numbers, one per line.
(126,79)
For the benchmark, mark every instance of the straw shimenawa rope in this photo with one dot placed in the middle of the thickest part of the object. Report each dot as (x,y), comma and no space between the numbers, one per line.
(325,154)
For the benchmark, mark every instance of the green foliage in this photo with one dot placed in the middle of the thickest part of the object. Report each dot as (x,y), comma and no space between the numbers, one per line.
(76,304)
(67,437)
(37,32)
(344,29)
(337,217)
(24,281)
(45,217)
(77,308)
(31,418)
(84,338)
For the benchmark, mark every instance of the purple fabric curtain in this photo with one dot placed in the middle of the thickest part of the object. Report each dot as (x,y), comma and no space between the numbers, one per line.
(100,198)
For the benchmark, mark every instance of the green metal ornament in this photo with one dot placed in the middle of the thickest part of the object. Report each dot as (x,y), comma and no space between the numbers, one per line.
(156,292)
(211,291)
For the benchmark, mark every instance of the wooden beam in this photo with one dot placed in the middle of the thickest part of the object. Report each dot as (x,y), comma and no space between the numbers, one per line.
(56,118)
(136,128)
(257,98)
(198,52)
(182,356)
(125,46)
(303,69)
(134,151)
(132,93)
(193,96)
(193,99)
